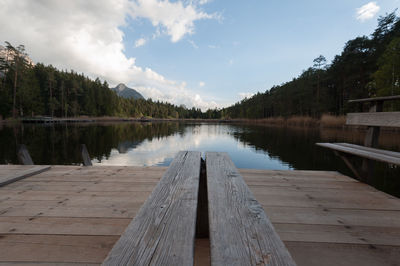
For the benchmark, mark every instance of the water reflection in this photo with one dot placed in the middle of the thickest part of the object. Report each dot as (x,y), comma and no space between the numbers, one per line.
(195,137)
(148,144)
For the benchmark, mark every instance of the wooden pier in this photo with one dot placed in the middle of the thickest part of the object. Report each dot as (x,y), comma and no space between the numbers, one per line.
(76,215)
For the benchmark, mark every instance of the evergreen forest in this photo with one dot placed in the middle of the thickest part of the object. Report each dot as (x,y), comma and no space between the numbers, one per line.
(368,66)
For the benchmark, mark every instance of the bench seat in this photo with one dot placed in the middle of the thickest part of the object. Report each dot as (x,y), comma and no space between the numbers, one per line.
(366,152)
(240,231)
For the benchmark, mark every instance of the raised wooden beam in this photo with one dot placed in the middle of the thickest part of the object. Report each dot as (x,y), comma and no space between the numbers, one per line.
(85,156)
(163,231)
(376,99)
(370,153)
(23,173)
(23,155)
(240,232)
(379,119)
(349,164)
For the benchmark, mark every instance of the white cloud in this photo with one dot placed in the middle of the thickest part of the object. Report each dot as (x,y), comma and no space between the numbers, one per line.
(140,42)
(202,84)
(195,46)
(211,46)
(203,2)
(86,36)
(230,62)
(175,18)
(244,95)
(367,11)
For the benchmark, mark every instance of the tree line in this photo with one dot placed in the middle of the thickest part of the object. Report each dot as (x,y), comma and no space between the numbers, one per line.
(368,66)
(36,90)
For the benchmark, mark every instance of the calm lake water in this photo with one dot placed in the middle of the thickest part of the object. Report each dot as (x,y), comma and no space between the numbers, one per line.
(155,144)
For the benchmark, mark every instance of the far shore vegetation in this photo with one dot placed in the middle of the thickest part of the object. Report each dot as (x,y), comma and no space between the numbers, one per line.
(368,66)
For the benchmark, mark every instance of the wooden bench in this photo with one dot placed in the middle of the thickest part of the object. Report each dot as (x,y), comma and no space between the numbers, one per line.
(240,232)
(374,119)
(163,231)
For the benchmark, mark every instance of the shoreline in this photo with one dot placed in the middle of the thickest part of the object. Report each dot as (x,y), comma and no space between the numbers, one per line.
(326,121)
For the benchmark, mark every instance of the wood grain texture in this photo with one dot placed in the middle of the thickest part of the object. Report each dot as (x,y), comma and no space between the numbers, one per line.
(78,222)
(378,119)
(240,232)
(163,232)
(23,172)
(370,153)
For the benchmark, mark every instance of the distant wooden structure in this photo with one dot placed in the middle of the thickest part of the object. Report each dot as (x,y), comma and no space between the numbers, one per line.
(374,119)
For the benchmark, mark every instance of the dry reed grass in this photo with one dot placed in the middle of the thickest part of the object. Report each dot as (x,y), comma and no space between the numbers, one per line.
(332,121)
(326,120)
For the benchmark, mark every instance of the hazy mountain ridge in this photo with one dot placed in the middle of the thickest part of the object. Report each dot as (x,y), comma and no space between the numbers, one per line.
(126,92)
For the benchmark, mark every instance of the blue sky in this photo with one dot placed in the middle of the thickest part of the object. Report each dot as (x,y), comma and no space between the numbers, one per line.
(203,53)
(256,44)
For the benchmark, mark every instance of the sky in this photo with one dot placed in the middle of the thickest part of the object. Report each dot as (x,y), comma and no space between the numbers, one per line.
(201,53)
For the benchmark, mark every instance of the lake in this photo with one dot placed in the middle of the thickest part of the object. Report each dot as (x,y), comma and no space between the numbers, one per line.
(155,144)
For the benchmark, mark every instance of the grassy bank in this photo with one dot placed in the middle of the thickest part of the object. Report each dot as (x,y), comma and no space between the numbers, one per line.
(301,121)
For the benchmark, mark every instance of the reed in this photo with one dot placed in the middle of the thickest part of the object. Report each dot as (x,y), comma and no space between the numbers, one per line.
(332,121)
(326,120)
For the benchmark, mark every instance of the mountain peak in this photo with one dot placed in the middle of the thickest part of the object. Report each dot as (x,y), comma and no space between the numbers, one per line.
(121,87)
(126,92)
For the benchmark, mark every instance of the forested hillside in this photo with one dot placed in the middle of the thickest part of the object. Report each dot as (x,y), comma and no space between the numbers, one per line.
(367,67)
(31,90)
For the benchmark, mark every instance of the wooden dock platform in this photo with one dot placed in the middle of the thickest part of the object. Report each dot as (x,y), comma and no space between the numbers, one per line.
(74,215)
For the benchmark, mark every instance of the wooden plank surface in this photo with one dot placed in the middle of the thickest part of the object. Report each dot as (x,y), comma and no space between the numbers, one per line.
(325,224)
(379,119)
(323,218)
(371,153)
(240,232)
(17,173)
(163,232)
(69,214)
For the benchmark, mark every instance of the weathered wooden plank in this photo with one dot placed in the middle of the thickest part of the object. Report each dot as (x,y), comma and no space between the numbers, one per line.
(376,99)
(81,186)
(300,175)
(23,155)
(334,254)
(55,248)
(320,233)
(21,174)
(332,216)
(378,119)
(372,153)
(63,225)
(163,231)
(85,156)
(372,150)
(240,232)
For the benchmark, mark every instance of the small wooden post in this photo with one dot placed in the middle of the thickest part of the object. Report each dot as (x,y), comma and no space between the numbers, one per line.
(24,156)
(85,156)
(371,140)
